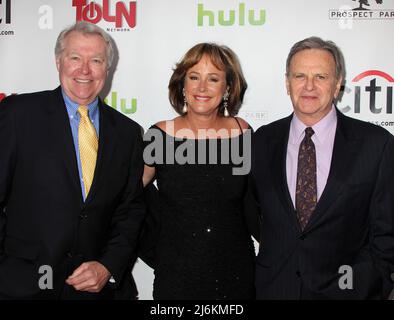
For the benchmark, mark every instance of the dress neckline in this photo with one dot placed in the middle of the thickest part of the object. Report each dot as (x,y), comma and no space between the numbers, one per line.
(196,139)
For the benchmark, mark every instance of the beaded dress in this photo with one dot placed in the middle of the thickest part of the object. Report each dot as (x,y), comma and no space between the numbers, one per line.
(204,250)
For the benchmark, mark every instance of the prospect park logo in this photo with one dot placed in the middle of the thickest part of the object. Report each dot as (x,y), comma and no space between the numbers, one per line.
(364,10)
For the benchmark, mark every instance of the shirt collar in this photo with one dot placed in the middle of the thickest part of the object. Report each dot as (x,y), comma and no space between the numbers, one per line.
(72,107)
(321,128)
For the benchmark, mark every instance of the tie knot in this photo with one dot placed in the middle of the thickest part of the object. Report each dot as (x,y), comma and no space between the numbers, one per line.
(83,111)
(309,132)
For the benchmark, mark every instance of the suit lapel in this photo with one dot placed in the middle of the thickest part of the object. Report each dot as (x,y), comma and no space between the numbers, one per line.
(344,152)
(279,151)
(60,138)
(107,145)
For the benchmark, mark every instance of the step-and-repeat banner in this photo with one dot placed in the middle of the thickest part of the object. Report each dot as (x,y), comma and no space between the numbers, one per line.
(151,36)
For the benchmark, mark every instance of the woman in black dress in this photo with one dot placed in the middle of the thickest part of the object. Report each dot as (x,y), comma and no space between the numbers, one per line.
(202,248)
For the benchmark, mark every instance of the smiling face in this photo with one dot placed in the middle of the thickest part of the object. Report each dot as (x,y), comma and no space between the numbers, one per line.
(312,84)
(204,87)
(82,66)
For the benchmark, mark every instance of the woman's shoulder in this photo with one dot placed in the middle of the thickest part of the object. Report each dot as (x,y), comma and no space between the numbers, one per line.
(167,124)
(162,125)
(242,123)
(236,123)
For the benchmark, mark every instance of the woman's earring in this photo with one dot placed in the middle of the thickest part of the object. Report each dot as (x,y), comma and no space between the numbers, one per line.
(225,105)
(184,109)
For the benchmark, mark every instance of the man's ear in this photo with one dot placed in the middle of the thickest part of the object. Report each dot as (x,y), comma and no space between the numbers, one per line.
(337,87)
(57,63)
(287,84)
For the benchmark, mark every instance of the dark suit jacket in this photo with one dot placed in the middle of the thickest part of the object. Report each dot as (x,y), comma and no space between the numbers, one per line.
(44,220)
(353,223)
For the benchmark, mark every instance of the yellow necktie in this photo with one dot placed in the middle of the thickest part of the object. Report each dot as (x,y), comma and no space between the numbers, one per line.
(88,145)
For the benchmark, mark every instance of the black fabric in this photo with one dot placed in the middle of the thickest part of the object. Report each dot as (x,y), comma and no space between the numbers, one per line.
(151,227)
(196,237)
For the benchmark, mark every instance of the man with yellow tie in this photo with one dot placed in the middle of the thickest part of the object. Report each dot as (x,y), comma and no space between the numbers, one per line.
(70,182)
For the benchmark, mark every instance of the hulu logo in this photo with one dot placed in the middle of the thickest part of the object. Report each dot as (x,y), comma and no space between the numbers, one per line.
(231,17)
(123,108)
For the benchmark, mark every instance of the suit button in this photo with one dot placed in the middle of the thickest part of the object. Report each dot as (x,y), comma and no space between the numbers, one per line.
(298,273)
(69,254)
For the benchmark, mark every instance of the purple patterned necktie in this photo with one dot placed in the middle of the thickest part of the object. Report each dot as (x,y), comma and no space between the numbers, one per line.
(306,189)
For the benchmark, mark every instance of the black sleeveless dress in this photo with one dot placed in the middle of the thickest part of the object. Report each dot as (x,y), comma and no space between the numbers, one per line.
(203,249)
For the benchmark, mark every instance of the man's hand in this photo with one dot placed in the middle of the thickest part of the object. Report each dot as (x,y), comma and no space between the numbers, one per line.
(90,276)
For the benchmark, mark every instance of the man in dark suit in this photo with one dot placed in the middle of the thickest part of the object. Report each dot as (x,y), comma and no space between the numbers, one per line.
(70,182)
(325,186)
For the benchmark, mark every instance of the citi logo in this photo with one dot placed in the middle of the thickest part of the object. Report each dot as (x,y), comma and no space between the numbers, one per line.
(3,95)
(377,94)
(229,18)
(94,13)
(132,108)
(6,12)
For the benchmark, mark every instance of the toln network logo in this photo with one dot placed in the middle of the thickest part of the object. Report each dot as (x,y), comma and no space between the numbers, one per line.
(94,13)
(373,93)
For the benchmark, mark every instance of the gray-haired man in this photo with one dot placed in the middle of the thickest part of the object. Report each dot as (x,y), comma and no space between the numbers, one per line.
(325,187)
(70,182)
